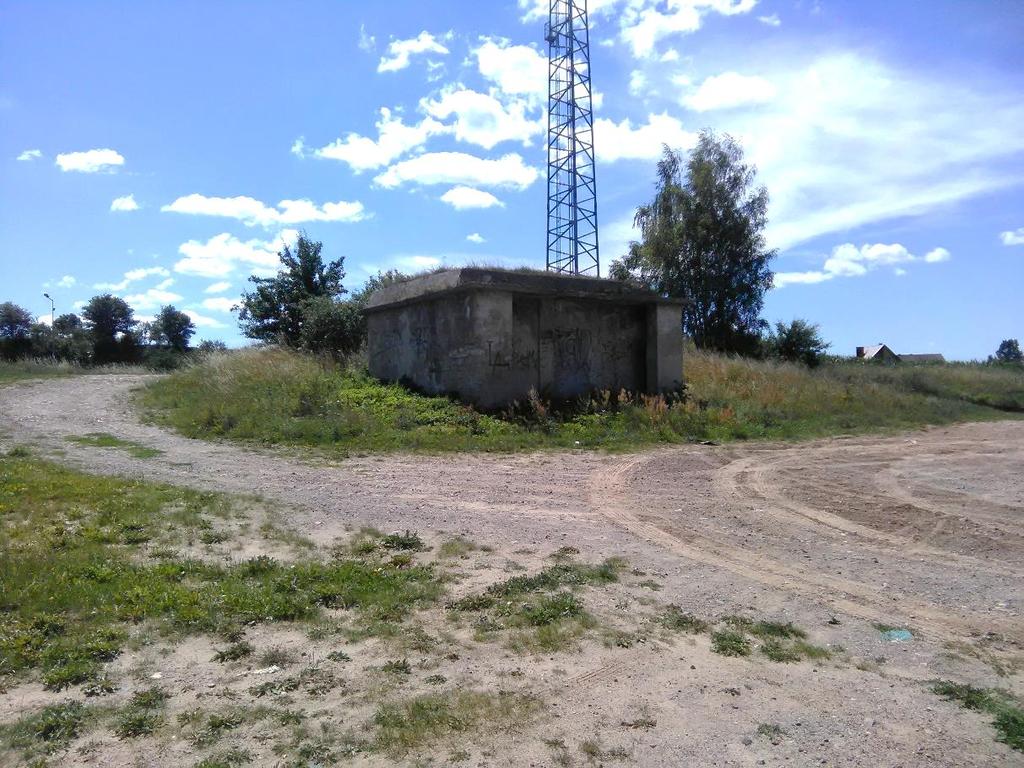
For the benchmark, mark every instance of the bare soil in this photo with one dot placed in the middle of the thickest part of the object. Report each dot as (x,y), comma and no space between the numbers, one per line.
(924,530)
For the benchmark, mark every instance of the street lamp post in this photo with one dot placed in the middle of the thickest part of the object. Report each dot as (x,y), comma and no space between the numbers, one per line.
(52,308)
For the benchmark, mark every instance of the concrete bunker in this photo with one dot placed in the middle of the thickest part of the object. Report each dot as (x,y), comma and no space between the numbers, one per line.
(489,336)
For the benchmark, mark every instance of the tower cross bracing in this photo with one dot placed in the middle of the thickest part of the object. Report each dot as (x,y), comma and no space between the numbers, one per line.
(572,242)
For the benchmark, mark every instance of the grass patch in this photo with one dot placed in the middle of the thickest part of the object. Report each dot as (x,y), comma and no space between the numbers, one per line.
(48,730)
(142,715)
(413,723)
(729,642)
(1006,710)
(273,396)
(77,577)
(543,614)
(106,440)
(676,619)
(456,547)
(561,575)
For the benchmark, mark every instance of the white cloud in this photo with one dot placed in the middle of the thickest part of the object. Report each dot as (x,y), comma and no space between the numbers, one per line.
(621,141)
(253,212)
(92,161)
(133,276)
(644,23)
(463,198)
(394,139)
(458,168)
(126,203)
(202,321)
(637,82)
(772,20)
(400,52)
(219,287)
(367,42)
(729,90)
(154,298)
(66,282)
(669,56)
(219,304)
(517,70)
(1013,237)
(848,141)
(476,238)
(29,155)
(848,260)
(483,119)
(220,255)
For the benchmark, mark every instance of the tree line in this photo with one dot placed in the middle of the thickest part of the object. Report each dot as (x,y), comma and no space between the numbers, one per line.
(105,332)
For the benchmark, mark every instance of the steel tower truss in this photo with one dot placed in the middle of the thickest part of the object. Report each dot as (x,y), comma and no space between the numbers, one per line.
(572,189)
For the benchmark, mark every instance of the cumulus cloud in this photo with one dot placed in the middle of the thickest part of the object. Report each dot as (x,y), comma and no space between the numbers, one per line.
(218,287)
(154,298)
(642,24)
(126,203)
(848,260)
(517,70)
(772,20)
(464,198)
(133,276)
(622,141)
(67,281)
(394,139)
(29,155)
(222,254)
(728,90)
(1013,237)
(476,238)
(219,304)
(253,212)
(91,161)
(400,52)
(459,168)
(202,321)
(483,119)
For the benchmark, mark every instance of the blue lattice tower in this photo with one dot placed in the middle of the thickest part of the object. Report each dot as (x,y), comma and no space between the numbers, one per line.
(572,188)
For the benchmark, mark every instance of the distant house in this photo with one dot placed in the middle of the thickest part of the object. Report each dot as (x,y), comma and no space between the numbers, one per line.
(883,354)
(879,352)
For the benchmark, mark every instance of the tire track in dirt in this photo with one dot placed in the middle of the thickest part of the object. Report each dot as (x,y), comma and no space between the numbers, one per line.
(612,494)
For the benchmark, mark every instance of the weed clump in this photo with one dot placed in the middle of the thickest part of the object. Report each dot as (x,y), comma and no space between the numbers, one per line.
(1006,710)
(728,642)
(412,723)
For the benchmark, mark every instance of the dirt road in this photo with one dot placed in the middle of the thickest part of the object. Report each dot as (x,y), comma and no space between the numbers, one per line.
(921,530)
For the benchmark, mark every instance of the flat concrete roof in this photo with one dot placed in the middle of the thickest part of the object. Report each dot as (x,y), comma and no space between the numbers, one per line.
(527,283)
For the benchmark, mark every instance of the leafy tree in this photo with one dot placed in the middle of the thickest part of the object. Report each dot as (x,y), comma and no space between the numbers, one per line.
(15,321)
(208,346)
(332,327)
(172,328)
(15,331)
(111,324)
(798,342)
(1009,352)
(67,324)
(273,310)
(703,241)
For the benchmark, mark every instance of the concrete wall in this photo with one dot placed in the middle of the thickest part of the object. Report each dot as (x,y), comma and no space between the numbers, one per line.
(490,344)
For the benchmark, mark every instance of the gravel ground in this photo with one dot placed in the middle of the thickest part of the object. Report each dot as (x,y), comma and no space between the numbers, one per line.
(922,530)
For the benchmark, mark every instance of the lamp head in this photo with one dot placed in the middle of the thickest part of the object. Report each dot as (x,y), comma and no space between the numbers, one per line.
(47,296)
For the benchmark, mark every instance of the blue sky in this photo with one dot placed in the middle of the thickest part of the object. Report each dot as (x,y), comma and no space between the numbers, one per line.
(162,150)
